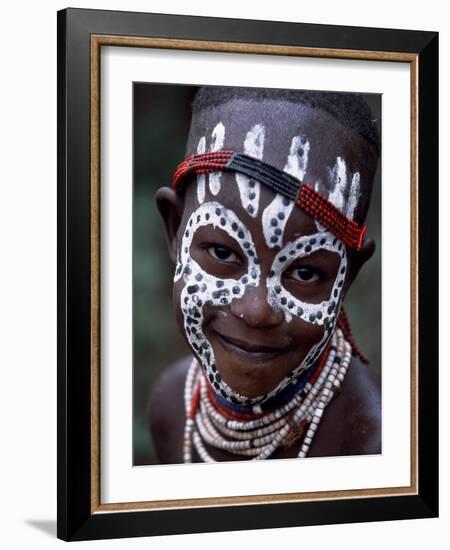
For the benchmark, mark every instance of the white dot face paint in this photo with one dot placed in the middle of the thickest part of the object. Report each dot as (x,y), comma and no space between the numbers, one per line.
(249,189)
(276,214)
(254,141)
(339,178)
(218,137)
(203,288)
(274,220)
(324,313)
(297,161)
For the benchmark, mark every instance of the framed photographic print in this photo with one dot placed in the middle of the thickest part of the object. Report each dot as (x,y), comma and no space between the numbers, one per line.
(247,270)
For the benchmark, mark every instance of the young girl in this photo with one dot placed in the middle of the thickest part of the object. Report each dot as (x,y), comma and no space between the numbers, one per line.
(265,226)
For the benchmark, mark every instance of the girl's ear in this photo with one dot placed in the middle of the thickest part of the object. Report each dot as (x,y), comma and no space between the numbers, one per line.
(170,206)
(358,259)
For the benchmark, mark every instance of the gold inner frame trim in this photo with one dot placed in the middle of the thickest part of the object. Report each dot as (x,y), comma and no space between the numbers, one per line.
(97,41)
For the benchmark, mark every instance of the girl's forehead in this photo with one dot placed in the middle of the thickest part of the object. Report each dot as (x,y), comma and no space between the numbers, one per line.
(305,143)
(273,125)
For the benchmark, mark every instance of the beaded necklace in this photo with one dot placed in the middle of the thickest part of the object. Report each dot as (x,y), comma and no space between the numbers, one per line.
(259,435)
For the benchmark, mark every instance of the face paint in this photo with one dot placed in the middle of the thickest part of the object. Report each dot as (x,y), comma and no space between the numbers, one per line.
(353,196)
(324,313)
(276,214)
(201,178)
(320,227)
(203,288)
(218,136)
(338,177)
(274,220)
(297,161)
(249,189)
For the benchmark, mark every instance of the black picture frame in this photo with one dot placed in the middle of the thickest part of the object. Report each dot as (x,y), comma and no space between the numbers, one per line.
(79,515)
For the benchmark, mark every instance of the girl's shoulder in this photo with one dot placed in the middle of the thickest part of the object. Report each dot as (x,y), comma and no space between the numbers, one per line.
(351,424)
(166,414)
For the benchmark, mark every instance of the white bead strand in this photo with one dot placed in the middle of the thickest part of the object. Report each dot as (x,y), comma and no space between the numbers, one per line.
(259,438)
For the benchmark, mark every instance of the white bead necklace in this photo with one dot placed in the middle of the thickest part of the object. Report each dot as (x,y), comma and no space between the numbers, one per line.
(260,437)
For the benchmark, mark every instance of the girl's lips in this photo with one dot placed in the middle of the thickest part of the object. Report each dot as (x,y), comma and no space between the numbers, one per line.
(250,350)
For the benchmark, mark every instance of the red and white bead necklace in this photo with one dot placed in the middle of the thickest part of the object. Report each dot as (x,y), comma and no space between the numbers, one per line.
(260,436)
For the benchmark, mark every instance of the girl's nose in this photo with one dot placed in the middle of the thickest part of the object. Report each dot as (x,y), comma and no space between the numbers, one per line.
(255,309)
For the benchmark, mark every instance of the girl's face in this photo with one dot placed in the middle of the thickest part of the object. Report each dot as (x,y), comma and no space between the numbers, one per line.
(255,315)
(258,284)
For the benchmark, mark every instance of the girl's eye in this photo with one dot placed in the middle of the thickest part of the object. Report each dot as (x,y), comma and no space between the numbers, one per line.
(303,274)
(223,254)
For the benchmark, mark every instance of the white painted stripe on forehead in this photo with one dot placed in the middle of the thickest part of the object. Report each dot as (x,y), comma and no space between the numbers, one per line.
(201,178)
(254,141)
(218,137)
(297,161)
(338,177)
(354,195)
(276,214)
(249,189)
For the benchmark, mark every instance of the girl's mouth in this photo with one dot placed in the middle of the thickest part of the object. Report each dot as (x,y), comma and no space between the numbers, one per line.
(250,350)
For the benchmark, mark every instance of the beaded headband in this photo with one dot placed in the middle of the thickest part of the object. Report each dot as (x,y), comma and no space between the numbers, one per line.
(304,195)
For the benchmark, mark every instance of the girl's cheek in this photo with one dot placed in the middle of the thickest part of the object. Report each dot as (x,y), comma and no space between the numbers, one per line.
(307,334)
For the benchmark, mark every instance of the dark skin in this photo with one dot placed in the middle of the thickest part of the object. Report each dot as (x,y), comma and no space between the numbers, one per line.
(254,345)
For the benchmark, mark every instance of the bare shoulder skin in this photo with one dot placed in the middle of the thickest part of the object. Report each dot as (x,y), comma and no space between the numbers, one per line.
(166,414)
(351,424)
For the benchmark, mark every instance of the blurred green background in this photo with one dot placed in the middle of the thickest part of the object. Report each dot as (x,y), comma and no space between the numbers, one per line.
(161,117)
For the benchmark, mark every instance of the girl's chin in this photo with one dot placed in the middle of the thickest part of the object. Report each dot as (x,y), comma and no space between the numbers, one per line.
(250,374)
